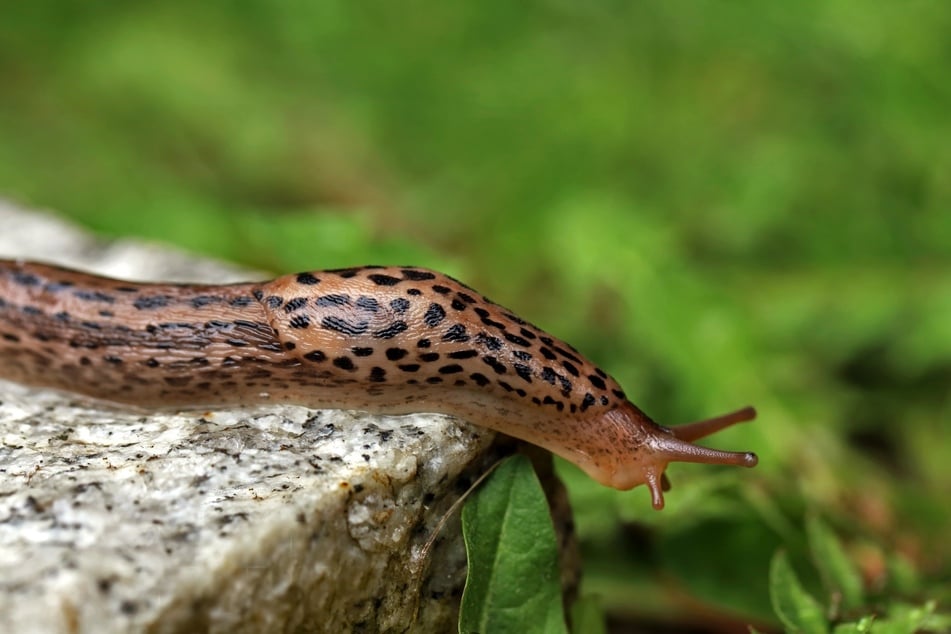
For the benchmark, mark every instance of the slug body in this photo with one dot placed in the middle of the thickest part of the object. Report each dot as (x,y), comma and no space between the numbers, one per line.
(390,340)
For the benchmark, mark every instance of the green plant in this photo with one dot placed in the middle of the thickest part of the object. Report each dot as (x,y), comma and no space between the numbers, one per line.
(847,609)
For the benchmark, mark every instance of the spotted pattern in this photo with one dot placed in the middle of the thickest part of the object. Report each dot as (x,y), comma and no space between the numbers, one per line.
(314,316)
(385,339)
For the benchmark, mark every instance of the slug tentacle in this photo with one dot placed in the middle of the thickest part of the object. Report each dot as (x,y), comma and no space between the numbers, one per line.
(644,449)
(391,340)
(672,449)
(704,428)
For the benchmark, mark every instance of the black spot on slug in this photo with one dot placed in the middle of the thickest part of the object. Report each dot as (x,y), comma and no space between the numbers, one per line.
(424,343)
(417,276)
(377,374)
(463,354)
(204,300)
(95,296)
(307,279)
(295,304)
(344,363)
(332,322)
(409,367)
(523,371)
(442,290)
(384,280)
(596,381)
(490,342)
(368,303)
(391,331)
(149,302)
(25,279)
(400,305)
(494,363)
(395,354)
(361,352)
(316,356)
(572,370)
(457,333)
(565,385)
(480,379)
(518,341)
(435,314)
(450,369)
(334,299)
(429,357)
(299,321)
(587,402)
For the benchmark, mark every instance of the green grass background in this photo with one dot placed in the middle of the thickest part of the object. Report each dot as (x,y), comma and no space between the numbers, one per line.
(721,203)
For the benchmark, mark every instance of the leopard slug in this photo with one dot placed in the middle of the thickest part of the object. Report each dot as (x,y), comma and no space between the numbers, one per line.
(390,340)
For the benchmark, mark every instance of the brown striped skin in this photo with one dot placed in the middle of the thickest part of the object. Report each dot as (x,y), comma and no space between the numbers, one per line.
(391,340)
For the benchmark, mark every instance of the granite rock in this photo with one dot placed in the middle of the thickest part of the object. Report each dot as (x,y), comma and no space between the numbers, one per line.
(276,519)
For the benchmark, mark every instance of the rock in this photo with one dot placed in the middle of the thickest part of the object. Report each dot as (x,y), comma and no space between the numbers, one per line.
(271,519)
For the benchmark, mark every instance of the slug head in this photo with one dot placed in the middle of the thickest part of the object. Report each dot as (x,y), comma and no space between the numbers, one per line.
(644,448)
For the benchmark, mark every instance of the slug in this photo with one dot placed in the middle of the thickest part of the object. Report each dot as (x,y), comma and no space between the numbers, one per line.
(390,340)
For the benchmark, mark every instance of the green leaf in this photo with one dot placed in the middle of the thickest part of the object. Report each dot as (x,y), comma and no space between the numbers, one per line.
(513,583)
(836,569)
(795,607)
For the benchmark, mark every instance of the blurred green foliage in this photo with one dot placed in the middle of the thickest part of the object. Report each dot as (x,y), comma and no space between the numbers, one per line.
(720,202)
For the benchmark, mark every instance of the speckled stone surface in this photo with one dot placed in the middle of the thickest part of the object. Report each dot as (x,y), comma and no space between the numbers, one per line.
(282,519)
